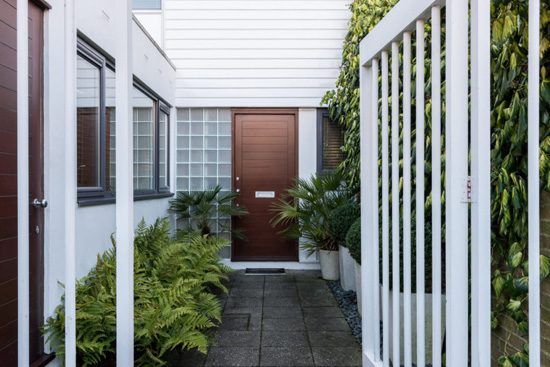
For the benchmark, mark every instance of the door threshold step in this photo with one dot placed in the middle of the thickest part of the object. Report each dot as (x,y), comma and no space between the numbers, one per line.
(264,271)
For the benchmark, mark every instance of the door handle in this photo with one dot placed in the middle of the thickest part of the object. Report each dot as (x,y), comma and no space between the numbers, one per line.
(40,204)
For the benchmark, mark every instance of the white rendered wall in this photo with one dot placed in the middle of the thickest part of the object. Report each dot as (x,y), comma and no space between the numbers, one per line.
(307,158)
(94,225)
(152,20)
(264,53)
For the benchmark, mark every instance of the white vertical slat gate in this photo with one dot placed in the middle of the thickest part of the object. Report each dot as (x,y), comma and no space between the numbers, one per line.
(386,73)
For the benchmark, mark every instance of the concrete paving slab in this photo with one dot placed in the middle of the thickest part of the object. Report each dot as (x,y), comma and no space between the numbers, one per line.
(232,356)
(286,356)
(284,339)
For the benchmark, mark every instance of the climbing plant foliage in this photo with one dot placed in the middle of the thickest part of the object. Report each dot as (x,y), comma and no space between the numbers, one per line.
(509,204)
(174,306)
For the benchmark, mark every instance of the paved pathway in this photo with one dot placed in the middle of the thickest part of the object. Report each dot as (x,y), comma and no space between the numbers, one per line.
(285,320)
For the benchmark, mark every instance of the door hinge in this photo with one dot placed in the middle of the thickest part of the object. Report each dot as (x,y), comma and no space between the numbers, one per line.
(467,190)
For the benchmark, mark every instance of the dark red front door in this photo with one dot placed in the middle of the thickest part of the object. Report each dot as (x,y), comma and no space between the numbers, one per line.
(264,164)
(8,181)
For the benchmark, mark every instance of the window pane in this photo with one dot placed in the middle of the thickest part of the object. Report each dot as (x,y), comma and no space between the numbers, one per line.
(163,152)
(144,133)
(146,4)
(87,120)
(110,129)
(333,140)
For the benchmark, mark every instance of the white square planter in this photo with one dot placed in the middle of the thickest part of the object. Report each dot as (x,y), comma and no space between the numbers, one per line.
(347,270)
(428,322)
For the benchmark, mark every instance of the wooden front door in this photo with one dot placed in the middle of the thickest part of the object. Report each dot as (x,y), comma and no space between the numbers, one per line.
(8,182)
(264,164)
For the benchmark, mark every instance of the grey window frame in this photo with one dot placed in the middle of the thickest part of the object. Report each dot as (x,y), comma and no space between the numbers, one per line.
(88,53)
(90,196)
(321,114)
(160,105)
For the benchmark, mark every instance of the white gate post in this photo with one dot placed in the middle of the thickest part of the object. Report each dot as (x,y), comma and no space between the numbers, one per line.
(22,183)
(366,211)
(481,183)
(70,183)
(456,177)
(125,190)
(533,183)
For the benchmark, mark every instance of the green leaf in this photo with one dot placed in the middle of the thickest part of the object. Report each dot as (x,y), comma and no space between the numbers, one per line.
(522,285)
(514,305)
(520,359)
(498,285)
(544,267)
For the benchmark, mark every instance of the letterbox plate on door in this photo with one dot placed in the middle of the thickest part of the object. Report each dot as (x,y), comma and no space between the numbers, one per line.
(265,194)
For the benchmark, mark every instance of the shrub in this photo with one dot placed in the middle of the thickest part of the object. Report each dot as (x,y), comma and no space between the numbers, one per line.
(353,240)
(304,210)
(173,306)
(203,208)
(341,219)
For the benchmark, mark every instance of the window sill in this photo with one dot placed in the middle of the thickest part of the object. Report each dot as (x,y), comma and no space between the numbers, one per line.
(84,202)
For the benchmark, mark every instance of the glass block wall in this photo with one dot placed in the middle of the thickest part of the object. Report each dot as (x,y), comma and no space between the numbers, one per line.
(204,152)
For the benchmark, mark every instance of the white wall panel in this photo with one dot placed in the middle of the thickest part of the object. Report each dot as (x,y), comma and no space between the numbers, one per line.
(262,53)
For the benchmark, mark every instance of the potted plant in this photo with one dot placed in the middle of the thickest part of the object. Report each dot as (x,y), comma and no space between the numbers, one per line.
(353,242)
(204,208)
(340,220)
(304,210)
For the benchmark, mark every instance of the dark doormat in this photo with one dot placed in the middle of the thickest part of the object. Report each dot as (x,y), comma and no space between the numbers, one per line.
(264,271)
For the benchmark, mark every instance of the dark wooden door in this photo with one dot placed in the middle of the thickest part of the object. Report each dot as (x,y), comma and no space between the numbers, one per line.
(264,164)
(8,181)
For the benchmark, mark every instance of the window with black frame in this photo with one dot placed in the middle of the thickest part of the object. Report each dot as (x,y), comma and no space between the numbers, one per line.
(95,114)
(96,134)
(330,139)
(151,125)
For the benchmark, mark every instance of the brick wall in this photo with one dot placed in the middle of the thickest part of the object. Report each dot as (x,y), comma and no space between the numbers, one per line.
(506,335)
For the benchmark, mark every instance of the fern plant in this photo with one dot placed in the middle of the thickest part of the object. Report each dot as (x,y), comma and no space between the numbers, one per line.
(173,304)
(203,207)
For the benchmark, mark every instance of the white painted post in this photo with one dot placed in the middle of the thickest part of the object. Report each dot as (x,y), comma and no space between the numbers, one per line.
(457,173)
(407,278)
(375,254)
(125,185)
(70,183)
(367,206)
(396,254)
(385,214)
(22,183)
(481,183)
(420,196)
(533,183)
(436,186)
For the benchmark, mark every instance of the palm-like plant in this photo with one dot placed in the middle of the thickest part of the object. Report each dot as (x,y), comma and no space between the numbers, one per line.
(204,207)
(304,210)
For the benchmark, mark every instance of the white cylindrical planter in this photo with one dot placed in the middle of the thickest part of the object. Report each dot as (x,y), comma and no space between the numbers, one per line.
(357,268)
(330,268)
(427,324)
(347,270)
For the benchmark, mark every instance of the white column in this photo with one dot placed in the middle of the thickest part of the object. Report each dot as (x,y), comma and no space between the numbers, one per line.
(367,208)
(420,195)
(125,187)
(407,278)
(481,183)
(533,183)
(396,254)
(70,183)
(456,176)
(22,183)
(385,214)
(436,186)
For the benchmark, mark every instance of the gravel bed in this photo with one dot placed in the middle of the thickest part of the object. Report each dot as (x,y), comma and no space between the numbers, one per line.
(347,300)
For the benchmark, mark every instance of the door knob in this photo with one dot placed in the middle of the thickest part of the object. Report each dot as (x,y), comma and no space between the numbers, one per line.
(40,204)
